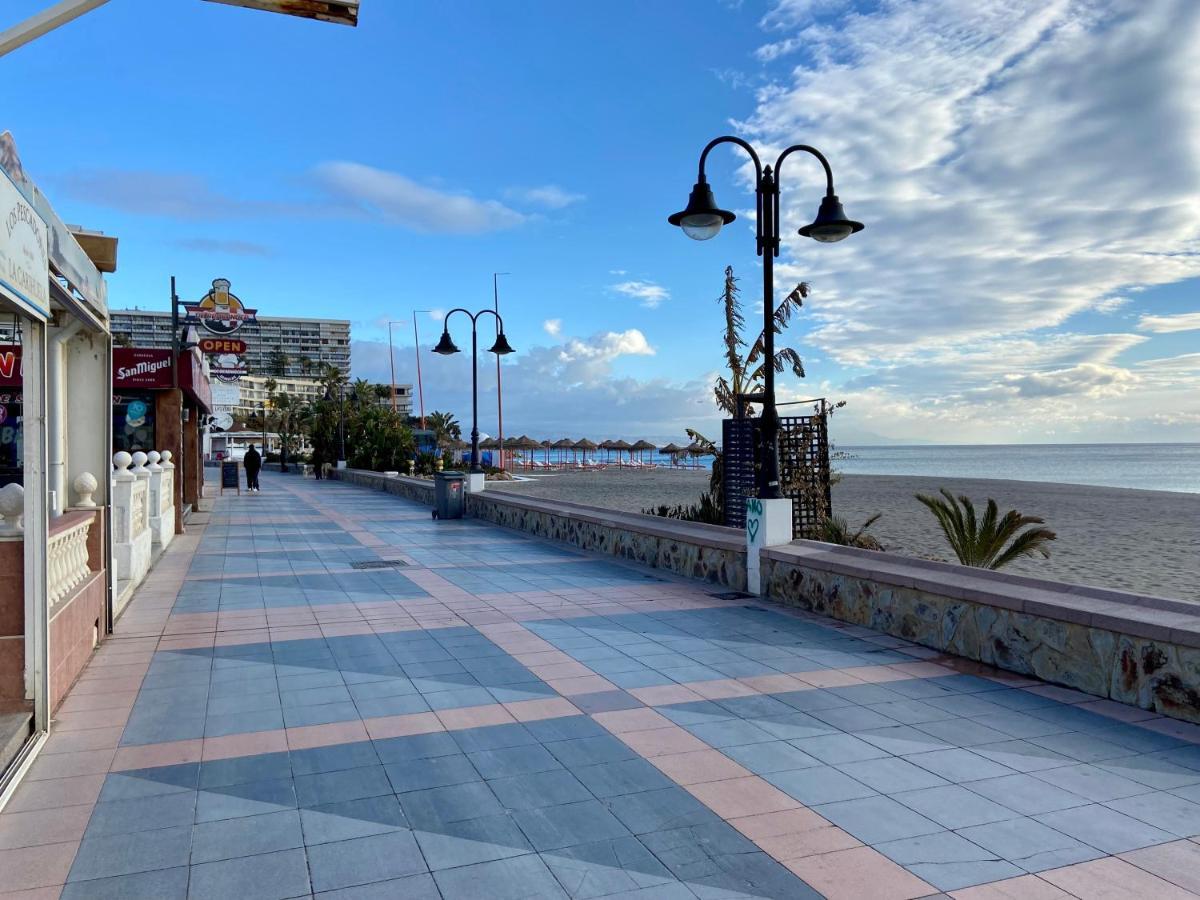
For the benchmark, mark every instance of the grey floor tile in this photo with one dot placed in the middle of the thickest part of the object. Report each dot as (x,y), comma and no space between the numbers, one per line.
(142,814)
(659,810)
(958,765)
(910,712)
(1022,756)
(876,819)
(364,860)
(300,716)
(1091,782)
(1080,747)
(795,726)
(438,771)
(947,861)
(853,718)
(567,825)
(433,808)
(348,819)
(249,799)
(1104,828)
(335,758)
(268,876)
(838,748)
(730,733)
(1025,794)
(962,732)
(507,879)
(416,746)
(605,868)
(248,836)
(1151,770)
(472,841)
(219,773)
(492,737)
(343,784)
(775,756)
(819,784)
(1162,810)
(411,887)
(1030,845)
(162,884)
(590,751)
(550,788)
(628,776)
(902,740)
(125,854)
(565,728)
(954,806)
(506,762)
(891,775)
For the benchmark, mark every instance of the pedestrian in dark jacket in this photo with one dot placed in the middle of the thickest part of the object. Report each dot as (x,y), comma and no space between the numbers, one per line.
(252,462)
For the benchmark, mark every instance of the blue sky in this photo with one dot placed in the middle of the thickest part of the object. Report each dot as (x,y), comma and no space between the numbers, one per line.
(1028,271)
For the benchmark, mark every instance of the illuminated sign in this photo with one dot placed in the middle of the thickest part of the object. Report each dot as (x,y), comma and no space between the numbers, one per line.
(222,345)
(220,312)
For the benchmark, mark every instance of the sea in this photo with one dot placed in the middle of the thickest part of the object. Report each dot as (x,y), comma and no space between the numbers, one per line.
(1151,467)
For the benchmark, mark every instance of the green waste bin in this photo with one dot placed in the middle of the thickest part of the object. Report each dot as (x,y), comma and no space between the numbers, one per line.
(448,491)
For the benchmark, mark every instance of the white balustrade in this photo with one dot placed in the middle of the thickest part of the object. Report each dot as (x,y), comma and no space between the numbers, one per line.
(162,497)
(12,509)
(67,558)
(132,536)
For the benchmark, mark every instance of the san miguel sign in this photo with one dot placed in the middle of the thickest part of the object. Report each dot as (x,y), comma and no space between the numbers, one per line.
(219,311)
(135,367)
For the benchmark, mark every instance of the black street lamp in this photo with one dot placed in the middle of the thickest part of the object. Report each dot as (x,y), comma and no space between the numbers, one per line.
(341,421)
(702,219)
(500,348)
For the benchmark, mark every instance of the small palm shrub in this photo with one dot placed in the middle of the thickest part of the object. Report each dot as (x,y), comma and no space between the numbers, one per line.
(992,542)
(834,530)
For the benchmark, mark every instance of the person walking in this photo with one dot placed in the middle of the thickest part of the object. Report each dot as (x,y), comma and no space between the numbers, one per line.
(318,466)
(253,463)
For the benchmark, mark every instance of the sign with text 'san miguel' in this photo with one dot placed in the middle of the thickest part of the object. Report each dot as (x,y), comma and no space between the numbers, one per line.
(141,367)
(219,311)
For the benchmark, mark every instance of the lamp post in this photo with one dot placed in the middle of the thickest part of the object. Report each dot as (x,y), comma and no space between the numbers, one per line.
(500,348)
(702,220)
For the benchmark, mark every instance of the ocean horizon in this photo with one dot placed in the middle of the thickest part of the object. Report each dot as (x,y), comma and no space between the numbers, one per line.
(1149,467)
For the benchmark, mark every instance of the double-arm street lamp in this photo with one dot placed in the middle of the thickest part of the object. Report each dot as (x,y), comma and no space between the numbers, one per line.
(500,348)
(703,219)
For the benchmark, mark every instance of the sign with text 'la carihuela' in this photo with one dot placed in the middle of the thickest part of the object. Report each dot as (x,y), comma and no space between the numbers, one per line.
(24,252)
(219,311)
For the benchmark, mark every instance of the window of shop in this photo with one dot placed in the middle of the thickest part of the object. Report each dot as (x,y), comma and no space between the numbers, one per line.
(133,421)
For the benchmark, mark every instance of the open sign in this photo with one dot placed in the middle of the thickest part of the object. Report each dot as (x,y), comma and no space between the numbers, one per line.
(222,345)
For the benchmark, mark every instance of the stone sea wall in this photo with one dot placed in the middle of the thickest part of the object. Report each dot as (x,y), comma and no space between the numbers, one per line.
(1143,651)
(708,552)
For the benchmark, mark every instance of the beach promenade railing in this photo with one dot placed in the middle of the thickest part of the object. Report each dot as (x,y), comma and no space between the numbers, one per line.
(1137,650)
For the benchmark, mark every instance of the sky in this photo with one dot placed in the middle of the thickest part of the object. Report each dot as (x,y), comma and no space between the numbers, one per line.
(1028,172)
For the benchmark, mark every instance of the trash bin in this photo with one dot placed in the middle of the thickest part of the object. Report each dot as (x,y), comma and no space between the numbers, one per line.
(448,490)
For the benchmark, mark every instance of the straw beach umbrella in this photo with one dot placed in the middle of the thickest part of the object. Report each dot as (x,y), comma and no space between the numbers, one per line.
(695,451)
(546,445)
(529,445)
(606,446)
(673,450)
(561,445)
(587,447)
(620,446)
(641,447)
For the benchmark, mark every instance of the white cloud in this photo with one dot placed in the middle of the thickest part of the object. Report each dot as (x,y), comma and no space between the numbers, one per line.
(996,152)
(1111,304)
(1169,324)
(550,196)
(393,198)
(552,327)
(651,294)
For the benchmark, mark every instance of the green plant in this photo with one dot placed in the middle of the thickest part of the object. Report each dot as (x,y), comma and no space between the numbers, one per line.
(834,530)
(445,428)
(983,543)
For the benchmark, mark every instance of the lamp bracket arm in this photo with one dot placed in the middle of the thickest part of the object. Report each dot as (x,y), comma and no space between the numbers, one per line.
(446,320)
(731,139)
(815,152)
(492,312)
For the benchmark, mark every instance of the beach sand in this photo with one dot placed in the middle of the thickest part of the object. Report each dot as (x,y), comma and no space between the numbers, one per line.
(1147,542)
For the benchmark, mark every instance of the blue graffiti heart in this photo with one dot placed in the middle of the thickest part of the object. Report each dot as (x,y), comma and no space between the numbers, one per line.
(752,527)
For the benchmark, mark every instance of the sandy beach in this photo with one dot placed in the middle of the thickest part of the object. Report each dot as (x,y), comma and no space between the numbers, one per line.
(1142,541)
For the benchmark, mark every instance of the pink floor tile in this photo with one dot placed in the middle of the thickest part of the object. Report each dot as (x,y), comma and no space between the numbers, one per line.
(230,745)
(34,867)
(1112,879)
(307,736)
(1024,887)
(43,826)
(860,873)
(662,741)
(663,695)
(55,793)
(621,721)
(474,716)
(698,767)
(399,726)
(532,710)
(168,754)
(738,797)
(1177,862)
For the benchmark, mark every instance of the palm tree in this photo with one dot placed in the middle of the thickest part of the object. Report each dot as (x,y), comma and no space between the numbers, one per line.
(746,370)
(982,544)
(445,428)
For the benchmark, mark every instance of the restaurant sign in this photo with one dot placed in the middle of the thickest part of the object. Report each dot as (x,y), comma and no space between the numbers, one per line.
(24,253)
(219,311)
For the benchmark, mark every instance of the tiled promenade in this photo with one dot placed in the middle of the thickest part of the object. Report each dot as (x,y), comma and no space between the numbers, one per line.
(497,717)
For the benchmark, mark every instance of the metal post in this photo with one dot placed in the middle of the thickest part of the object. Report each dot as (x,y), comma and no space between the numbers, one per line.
(475,467)
(392,363)
(420,388)
(767,189)
(342,425)
(499,385)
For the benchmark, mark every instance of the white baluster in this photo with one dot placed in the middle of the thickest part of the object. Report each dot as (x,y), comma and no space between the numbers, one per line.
(166,459)
(121,461)
(12,509)
(85,485)
(152,458)
(139,465)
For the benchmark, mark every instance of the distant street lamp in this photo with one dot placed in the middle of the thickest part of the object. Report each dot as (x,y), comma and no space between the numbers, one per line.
(446,347)
(703,219)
